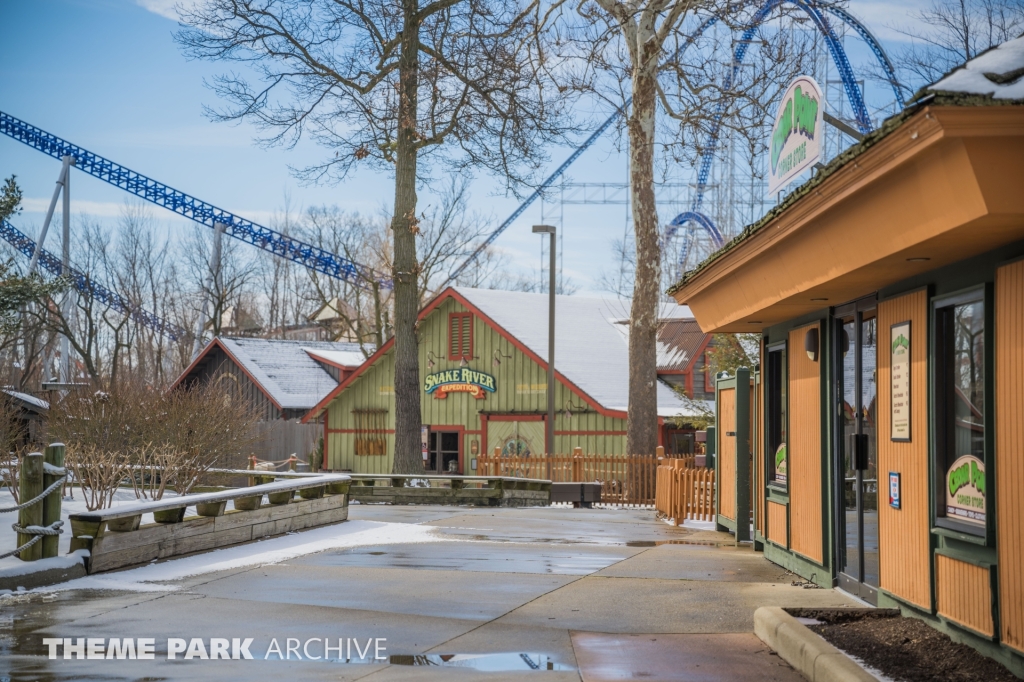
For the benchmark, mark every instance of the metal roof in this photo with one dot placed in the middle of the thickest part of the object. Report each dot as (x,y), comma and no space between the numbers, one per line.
(591,340)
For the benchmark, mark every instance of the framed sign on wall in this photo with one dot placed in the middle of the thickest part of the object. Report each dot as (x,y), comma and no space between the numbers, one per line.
(899,377)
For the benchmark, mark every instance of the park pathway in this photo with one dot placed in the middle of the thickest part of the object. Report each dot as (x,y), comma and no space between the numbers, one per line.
(473,594)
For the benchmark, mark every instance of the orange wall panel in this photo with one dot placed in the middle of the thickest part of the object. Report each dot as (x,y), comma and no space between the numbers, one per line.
(903,534)
(964,594)
(727,453)
(1009,349)
(805,455)
(777,524)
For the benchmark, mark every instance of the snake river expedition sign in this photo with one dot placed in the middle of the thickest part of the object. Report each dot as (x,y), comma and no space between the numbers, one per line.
(796,135)
(464,380)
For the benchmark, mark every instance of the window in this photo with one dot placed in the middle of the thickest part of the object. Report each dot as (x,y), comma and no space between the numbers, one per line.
(961,382)
(776,404)
(460,336)
(371,432)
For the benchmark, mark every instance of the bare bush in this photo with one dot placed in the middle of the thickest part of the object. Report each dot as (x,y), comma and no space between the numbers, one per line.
(153,440)
(97,471)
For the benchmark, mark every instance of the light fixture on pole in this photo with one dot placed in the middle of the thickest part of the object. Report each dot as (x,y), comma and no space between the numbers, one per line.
(549,430)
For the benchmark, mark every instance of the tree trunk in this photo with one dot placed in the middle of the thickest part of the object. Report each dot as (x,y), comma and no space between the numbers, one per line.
(642,423)
(408,458)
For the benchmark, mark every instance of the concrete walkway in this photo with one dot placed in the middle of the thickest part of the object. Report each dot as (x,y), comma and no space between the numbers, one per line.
(478,594)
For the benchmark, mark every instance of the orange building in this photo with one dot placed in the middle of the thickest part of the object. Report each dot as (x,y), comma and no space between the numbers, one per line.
(887,446)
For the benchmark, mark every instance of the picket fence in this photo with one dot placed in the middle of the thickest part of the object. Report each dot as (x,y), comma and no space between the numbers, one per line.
(626,480)
(684,491)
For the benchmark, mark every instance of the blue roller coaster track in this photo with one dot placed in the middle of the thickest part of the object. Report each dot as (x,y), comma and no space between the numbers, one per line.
(89,287)
(307,255)
(694,216)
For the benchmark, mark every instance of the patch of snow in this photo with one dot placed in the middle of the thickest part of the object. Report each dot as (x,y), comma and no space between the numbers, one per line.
(159,577)
(971,79)
(699,525)
(12,566)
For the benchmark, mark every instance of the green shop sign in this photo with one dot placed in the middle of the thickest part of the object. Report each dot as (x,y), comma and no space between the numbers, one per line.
(965,490)
(796,135)
(464,380)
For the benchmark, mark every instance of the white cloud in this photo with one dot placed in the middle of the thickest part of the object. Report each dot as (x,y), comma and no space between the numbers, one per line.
(114,209)
(165,8)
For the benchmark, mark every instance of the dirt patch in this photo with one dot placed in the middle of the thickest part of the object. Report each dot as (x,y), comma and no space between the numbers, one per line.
(905,649)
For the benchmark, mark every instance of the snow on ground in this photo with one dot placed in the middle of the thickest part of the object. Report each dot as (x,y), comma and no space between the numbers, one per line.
(8,538)
(159,577)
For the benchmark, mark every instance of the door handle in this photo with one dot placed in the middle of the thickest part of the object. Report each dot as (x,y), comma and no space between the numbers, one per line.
(857,445)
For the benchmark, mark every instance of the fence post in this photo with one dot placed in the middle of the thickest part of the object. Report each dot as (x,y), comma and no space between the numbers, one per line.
(742,455)
(51,505)
(577,465)
(496,464)
(31,484)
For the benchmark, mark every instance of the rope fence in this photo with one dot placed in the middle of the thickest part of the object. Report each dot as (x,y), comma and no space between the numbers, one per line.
(39,523)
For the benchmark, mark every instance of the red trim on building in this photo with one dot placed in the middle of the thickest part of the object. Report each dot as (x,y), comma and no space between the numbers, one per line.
(430,307)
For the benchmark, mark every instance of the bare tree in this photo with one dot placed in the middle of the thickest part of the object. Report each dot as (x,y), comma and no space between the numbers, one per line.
(635,49)
(950,32)
(387,84)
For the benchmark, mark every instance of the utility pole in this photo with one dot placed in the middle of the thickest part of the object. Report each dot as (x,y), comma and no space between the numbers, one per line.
(549,431)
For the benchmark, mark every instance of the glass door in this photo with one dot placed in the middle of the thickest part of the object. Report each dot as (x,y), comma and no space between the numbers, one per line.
(443,454)
(857,534)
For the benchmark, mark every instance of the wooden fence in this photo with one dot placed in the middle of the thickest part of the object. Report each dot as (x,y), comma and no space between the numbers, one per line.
(685,492)
(626,480)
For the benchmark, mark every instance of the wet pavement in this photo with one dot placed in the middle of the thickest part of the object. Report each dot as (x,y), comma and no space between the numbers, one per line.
(564,594)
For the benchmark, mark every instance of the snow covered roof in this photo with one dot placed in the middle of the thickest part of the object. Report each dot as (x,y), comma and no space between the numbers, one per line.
(349,358)
(591,343)
(30,400)
(998,72)
(284,368)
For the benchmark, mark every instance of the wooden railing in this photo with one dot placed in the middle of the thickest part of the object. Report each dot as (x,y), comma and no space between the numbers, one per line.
(685,492)
(626,480)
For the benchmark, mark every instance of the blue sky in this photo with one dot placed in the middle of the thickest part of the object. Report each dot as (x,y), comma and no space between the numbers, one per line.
(107,75)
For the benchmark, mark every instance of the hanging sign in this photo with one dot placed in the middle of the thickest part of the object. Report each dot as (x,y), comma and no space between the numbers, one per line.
(965,490)
(899,384)
(464,380)
(796,135)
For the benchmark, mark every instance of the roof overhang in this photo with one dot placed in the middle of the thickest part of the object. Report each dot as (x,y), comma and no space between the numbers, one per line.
(943,186)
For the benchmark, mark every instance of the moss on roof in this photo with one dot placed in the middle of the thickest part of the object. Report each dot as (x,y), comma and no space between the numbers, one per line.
(923,97)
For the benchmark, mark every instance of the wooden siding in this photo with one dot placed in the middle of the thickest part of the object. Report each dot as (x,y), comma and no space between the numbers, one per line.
(217,368)
(903,534)
(521,390)
(726,453)
(759,476)
(805,455)
(1009,457)
(964,593)
(777,531)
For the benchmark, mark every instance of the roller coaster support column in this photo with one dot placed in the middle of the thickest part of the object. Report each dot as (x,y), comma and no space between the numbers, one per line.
(64,172)
(65,261)
(215,285)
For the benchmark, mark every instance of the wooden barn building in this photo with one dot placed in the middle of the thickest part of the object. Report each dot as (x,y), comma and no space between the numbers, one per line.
(888,412)
(482,357)
(281,379)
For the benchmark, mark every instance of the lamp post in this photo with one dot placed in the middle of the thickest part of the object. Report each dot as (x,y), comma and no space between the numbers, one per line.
(549,431)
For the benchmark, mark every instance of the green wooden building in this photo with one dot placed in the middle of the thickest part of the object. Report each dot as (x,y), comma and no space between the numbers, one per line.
(483,377)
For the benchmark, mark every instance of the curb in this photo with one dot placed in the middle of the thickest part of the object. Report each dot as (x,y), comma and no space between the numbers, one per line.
(44,572)
(812,656)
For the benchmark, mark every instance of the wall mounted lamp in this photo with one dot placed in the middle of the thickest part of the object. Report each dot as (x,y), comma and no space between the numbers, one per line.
(811,342)
(498,355)
(431,358)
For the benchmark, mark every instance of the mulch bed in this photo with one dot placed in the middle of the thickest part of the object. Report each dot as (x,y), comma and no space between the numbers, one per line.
(904,649)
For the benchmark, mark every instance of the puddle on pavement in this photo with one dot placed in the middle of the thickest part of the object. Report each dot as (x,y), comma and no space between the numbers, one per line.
(483,662)
(656,543)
